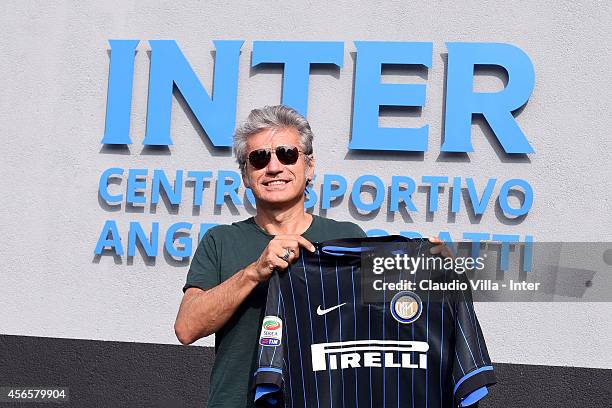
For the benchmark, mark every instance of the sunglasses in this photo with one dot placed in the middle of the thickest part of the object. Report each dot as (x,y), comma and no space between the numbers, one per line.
(285,154)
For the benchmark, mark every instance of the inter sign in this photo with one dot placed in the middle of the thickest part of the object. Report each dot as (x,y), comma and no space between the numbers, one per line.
(217,113)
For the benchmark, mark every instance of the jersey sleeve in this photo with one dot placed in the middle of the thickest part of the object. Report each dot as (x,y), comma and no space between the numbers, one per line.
(472,369)
(268,381)
(204,271)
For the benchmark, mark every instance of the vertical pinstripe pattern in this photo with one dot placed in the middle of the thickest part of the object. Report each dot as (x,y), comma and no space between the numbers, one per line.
(427,340)
(283,323)
(325,320)
(472,316)
(370,338)
(309,315)
(442,323)
(286,347)
(467,343)
(355,334)
(340,324)
(289,273)
(401,276)
(412,373)
(459,361)
(448,325)
(384,370)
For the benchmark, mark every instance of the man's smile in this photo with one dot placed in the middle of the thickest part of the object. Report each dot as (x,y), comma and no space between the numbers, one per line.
(272,183)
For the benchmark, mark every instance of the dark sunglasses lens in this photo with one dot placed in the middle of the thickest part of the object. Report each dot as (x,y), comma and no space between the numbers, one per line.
(287,154)
(259,158)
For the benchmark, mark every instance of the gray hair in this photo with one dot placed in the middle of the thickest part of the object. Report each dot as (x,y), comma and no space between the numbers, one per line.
(272,117)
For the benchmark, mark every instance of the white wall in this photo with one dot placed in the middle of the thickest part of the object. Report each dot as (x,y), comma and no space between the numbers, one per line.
(52,114)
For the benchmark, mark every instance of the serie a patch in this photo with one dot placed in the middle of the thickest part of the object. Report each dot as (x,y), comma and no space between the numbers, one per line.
(271,331)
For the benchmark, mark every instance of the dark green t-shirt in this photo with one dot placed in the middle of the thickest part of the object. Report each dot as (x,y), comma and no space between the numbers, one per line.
(224,250)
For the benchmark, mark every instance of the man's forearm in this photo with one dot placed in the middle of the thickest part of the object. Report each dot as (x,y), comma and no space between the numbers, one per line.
(207,311)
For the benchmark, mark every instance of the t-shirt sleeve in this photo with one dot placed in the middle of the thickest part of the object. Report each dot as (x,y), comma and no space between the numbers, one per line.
(359,232)
(268,381)
(354,231)
(204,271)
(472,369)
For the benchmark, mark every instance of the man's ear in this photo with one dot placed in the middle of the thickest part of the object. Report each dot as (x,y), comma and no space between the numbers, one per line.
(245,181)
(310,171)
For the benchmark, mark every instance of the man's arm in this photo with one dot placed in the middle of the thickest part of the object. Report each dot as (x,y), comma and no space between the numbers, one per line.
(204,312)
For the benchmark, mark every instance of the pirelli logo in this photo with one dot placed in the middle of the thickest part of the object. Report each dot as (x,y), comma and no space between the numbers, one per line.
(369,353)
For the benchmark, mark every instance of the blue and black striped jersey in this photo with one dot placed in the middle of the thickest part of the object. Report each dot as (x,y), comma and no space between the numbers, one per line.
(329,339)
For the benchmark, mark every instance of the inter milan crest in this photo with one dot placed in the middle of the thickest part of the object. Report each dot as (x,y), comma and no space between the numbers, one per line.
(406,307)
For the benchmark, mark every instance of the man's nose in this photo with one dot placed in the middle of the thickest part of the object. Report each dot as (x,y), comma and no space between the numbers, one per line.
(274,166)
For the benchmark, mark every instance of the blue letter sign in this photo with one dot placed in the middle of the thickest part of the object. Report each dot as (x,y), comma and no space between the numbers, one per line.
(370,94)
(497,107)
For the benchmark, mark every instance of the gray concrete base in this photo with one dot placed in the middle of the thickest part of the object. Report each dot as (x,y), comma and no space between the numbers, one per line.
(116,374)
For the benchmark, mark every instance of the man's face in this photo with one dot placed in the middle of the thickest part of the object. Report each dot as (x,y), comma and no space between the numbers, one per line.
(277,183)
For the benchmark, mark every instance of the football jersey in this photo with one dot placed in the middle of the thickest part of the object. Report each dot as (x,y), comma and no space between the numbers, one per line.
(339,333)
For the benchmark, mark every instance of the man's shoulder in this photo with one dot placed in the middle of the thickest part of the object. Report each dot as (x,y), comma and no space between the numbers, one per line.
(238,229)
(234,227)
(334,229)
(336,223)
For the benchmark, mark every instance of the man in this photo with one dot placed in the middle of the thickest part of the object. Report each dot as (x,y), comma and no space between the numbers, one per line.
(226,285)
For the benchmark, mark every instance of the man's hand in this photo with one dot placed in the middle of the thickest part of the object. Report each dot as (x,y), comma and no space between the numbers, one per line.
(279,254)
(441,248)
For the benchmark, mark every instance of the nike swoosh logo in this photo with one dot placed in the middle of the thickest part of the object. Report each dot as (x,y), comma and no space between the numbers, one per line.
(321,312)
